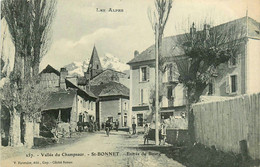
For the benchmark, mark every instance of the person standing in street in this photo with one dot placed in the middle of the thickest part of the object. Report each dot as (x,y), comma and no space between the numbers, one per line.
(146,132)
(134,128)
(108,126)
(117,125)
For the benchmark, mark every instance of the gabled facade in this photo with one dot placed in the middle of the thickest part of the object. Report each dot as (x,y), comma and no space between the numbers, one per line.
(68,103)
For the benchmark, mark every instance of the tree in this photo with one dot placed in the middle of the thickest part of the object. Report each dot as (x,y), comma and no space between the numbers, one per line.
(28,100)
(43,12)
(204,51)
(158,22)
(29,23)
(16,14)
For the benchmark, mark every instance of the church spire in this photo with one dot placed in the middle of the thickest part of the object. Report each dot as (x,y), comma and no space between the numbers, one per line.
(94,67)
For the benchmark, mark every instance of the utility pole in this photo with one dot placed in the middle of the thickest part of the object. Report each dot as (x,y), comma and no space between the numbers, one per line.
(156,84)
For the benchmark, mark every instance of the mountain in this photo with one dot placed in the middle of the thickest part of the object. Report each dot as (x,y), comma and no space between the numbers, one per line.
(108,61)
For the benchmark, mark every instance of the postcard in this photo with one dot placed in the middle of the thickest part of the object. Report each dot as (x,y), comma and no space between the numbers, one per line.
(130,83)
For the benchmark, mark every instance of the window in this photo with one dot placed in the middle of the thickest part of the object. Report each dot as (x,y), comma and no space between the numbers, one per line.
(170,96)
(144,74)
(211,87)
(140,119)
(233,83)
(169,92)
(171,73)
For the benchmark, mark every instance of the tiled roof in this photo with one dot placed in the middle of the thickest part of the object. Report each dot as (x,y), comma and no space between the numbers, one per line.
(110,89)
(60,100)
(245,26)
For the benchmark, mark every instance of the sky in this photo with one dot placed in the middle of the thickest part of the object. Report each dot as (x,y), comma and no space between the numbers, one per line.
(77,26)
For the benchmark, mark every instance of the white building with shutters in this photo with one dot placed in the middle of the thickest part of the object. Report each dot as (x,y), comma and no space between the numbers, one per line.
(236,77)
(142,85)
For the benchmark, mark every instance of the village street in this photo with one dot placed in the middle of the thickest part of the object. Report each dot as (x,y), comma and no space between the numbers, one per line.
(94,149)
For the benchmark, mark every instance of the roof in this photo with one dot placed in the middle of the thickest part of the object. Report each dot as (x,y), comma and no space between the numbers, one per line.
(110,89)
(106,71)
(169,48)
(60,100)
(50,69)
(86,93)
(248,26)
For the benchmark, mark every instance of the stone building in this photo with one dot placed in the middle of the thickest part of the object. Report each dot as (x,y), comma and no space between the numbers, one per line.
(68,104)
(113,102)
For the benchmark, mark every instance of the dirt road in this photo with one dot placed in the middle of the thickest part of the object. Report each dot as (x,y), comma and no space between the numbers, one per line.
(96,149)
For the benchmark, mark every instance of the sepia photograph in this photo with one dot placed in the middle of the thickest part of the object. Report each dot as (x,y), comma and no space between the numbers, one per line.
(130,83)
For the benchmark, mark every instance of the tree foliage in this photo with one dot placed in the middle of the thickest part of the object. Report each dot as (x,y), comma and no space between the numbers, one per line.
(203,52)
(29,100)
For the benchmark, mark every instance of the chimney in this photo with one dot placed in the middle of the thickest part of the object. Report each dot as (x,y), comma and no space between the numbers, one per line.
(136,53)
(63,74)
(192,30)
(206,31)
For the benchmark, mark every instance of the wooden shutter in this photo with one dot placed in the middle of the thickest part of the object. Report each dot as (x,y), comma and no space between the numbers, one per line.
(147,73)
(228,84)
(141,96)
(165,75)
(173,92)
(140,74)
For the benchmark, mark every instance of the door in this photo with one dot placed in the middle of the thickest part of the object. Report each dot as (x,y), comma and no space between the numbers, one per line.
(139,119)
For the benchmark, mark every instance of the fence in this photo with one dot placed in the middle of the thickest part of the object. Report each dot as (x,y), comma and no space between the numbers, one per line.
(225,123)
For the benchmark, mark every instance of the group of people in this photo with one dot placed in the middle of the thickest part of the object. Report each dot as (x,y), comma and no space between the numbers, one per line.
(162,133)
(109,126)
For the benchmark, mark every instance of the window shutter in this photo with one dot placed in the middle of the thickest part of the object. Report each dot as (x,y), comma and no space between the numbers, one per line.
(140,74)
(148,73)
(141,96)
(145,96)
(173,92)
(227,84)
(165,75)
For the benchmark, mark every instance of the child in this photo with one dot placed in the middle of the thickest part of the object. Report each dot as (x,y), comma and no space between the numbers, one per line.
(146,132)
